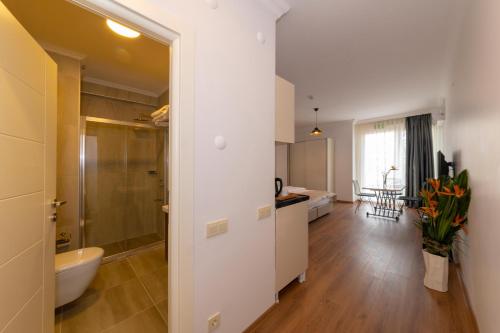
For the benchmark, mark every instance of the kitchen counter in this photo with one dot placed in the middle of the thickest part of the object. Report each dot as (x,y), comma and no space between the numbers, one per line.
(291,199)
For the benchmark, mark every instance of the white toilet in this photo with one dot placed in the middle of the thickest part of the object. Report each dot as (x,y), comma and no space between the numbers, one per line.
(75,270)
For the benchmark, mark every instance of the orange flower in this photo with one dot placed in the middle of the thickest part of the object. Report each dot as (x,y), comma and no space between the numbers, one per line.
(458,220)
(430,211)
(427,195)
(435,183)
(459,192)
(447,191)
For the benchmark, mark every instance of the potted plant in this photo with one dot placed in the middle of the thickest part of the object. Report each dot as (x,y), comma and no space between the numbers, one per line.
(445,202)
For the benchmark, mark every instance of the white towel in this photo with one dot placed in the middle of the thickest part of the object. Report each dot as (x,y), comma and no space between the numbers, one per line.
(162,117)
(161,123)
(160,114)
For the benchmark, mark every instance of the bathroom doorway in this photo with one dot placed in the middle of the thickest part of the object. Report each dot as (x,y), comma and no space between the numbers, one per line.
(123,216)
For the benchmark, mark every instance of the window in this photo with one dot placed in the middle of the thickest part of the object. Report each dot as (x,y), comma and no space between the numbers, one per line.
(379,146)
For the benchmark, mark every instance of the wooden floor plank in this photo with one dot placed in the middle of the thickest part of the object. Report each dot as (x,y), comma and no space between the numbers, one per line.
(366,275)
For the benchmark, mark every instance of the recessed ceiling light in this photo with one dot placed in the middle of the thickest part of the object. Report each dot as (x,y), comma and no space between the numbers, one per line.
(122,30)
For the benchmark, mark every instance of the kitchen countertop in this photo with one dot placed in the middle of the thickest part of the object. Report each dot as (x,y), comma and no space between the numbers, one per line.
(291,201)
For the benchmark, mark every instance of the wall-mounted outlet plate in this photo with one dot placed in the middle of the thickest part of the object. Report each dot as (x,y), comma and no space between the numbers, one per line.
(218,227)
(264,212)
(214,322)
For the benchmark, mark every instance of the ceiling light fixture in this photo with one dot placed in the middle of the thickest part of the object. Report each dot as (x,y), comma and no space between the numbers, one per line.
(316,131)
(122,30)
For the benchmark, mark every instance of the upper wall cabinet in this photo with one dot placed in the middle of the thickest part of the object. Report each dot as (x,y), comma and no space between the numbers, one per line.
(285,111)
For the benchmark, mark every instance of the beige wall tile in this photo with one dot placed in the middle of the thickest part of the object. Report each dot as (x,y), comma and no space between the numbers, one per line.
(118,105)
(68,145)
(20,279)
(27,120)
(29,319)
(22,167)
(22,224)
(164,98)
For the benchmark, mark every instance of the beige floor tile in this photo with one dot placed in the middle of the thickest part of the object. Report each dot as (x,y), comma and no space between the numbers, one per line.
(156,284)
(103,309)
(162,308)
(111,274)
(148,321)
(148,261)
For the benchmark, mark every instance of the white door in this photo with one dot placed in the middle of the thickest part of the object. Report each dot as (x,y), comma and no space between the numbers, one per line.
(28,88)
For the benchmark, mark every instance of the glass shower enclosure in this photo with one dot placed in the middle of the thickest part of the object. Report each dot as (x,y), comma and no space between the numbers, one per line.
(123,185)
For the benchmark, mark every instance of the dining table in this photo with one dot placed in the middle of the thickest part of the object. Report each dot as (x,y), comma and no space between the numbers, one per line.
(386,204)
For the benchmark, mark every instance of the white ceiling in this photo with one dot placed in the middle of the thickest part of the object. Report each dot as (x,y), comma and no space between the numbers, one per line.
(141,63)
(364,59)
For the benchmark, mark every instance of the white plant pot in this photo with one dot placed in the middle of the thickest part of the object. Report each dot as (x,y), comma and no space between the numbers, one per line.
(436,272)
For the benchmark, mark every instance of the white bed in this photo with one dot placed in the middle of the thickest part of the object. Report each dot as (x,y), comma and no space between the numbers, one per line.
(320,202)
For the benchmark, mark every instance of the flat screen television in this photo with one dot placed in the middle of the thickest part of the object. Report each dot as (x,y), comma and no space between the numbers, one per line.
(443,167)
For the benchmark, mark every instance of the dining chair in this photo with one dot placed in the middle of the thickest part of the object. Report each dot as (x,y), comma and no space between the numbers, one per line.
(361,196)
(413,202)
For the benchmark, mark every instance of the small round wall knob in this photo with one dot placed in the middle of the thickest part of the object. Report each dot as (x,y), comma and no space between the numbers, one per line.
(220,142)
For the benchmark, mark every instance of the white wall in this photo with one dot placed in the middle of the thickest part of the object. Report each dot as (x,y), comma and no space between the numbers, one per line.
(342,134)
(234,97)
(472,133)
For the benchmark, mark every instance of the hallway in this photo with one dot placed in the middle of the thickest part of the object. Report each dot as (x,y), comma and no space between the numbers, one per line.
(366,275)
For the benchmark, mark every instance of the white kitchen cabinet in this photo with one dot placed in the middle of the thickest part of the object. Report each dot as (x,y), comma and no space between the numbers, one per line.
(292,244)
(285,111)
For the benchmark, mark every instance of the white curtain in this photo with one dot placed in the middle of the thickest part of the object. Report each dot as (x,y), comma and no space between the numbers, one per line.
(379,146)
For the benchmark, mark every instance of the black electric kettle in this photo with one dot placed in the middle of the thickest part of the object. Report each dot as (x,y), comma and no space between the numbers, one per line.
(278,186)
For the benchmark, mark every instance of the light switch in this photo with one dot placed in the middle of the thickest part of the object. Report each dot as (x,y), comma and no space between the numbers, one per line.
(264,212)
(214,322)
(218,227)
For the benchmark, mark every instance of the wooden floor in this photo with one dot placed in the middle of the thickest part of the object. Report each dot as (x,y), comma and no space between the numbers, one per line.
(366,275)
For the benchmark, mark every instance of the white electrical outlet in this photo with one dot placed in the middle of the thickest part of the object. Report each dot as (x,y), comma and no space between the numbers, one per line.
(213,322)
(218,227)
(264,212)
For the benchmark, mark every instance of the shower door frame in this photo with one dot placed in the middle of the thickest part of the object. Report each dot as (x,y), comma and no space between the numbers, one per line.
(81,226)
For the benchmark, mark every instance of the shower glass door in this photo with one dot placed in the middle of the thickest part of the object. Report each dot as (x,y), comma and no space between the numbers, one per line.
(123,185)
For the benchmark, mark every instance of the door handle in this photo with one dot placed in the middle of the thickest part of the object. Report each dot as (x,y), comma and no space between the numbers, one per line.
(53,217)
(57,203)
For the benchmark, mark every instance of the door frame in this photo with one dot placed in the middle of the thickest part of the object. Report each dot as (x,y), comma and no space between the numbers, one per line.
(166,28)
